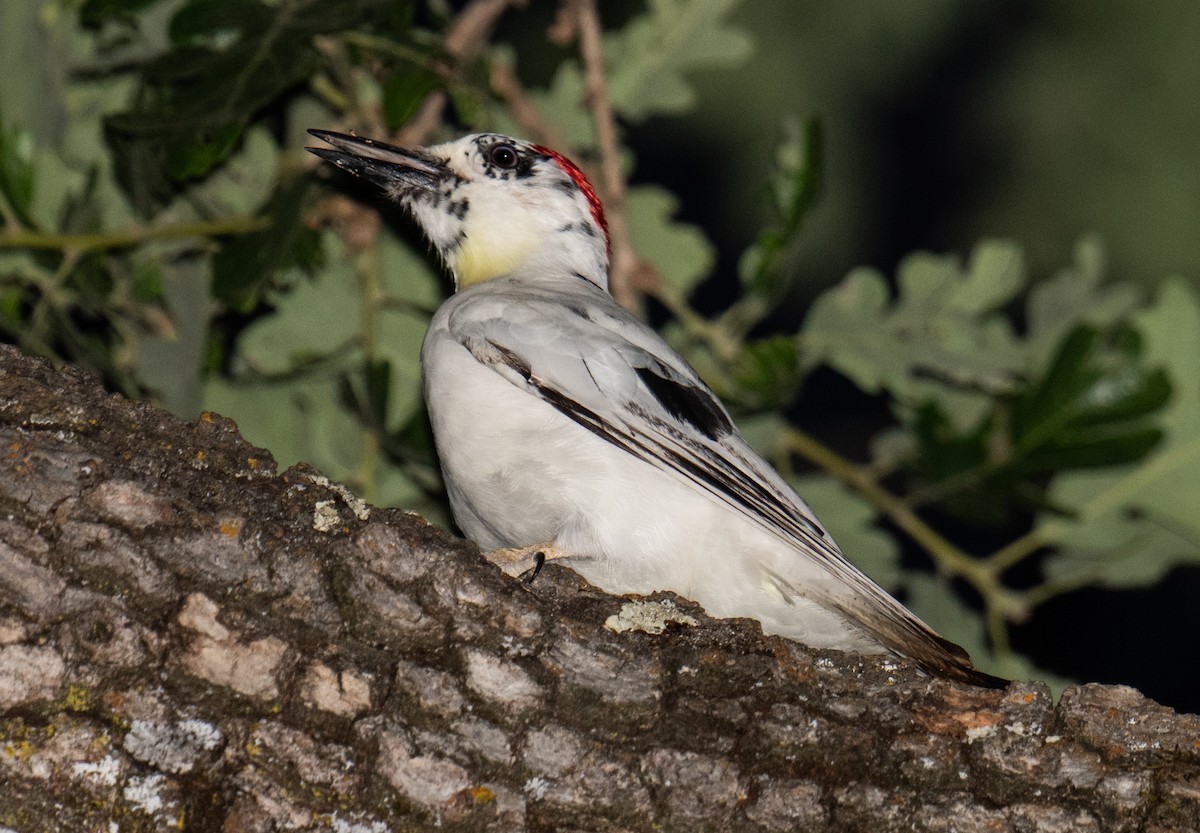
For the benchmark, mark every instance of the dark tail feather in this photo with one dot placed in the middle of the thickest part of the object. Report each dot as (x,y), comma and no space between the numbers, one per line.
(942,658)
(961,671)
(909,637)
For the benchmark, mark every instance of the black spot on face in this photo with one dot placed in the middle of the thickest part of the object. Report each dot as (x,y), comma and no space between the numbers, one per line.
(585,229)
(458,208)
(436,198)
(459,236)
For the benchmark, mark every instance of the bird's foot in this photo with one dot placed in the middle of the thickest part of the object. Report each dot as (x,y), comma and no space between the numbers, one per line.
(524,562)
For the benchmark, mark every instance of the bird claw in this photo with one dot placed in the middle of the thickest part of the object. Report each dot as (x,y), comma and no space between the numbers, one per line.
(524,562)
(539,559)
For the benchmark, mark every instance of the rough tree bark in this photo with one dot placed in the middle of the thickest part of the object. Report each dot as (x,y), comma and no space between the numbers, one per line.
(189,640)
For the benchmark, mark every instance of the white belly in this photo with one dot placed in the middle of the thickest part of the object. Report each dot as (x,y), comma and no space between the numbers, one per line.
(520,473)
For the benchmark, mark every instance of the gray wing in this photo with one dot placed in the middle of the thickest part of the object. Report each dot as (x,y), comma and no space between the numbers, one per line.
(601,367)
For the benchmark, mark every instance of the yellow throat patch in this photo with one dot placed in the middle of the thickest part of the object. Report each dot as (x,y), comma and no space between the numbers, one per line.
(487,253)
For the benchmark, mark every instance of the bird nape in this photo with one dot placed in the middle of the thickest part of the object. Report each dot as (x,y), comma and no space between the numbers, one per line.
(568,429)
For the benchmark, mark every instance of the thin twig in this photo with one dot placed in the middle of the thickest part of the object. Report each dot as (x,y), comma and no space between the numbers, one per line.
(80,243)
(425,123)
(8,215)
(471,28)
(624,266)
(1017,550)
(997,630)
(464,38)
(526,114)
(370,283)
(949,559)
(697,327)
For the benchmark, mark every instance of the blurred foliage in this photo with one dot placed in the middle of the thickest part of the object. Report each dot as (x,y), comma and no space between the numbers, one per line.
(162,224)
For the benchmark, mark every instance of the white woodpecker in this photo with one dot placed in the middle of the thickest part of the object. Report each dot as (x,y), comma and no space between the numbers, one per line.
(568,429)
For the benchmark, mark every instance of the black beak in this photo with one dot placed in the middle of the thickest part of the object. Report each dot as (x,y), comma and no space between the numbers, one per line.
(393,169)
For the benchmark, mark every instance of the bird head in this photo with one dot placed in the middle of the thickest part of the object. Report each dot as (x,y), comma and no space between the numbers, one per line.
(491,205)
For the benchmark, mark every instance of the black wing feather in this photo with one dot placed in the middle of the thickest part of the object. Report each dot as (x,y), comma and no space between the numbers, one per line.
(687,403)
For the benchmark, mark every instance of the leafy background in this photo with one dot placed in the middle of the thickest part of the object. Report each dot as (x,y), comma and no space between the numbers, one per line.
(939,257)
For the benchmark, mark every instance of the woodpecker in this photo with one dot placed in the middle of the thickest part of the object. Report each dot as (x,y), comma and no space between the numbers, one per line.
(568,429)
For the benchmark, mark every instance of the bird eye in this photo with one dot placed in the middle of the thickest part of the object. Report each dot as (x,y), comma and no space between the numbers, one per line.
(503,156)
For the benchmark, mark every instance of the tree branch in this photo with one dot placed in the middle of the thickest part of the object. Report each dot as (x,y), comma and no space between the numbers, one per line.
(625,268)
(189,640)
(83,243)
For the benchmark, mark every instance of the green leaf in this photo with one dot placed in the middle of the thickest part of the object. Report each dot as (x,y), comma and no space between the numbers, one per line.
(16,169)
(401,332)
(215,23)
(94,13)
(648,58)
(1088,409)
(318,328)
(246,263)
(297,419)
(57,98)
(932,284)
(995,275)
(794,189)
(944,451)
(170,363)
(378,373)
(1130,526)
(762,431)
(211,144)
(242,186)
(317,381)
(20,274)
(680,252)
(409,280)
(1115,549)
(1094,406)
(56,185)
(966,472)
(316,319)
(231,59)
(767,373)
(405,91)
(563,103)
(1075,295)
(35,58)
(303,418)
(943,339)
(839,329)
